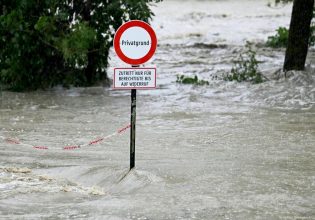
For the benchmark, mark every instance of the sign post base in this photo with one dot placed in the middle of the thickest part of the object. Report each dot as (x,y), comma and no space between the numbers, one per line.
(133,128)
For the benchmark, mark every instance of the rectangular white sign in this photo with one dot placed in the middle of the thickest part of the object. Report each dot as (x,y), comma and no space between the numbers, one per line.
(134,78)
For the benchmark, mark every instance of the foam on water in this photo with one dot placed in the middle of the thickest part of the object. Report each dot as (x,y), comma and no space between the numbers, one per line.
(15,181)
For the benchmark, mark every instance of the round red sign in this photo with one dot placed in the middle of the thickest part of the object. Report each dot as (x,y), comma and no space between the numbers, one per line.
(135,42)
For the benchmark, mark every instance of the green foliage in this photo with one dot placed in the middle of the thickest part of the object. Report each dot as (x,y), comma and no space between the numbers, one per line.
(282,36)
(75,46)
(280,39)
(246,68)
(49,42)
(191,80)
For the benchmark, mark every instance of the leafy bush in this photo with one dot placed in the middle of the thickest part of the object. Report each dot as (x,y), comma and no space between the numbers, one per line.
(282,36)
(50,42)
(246,68)
(191,80)
(280,39)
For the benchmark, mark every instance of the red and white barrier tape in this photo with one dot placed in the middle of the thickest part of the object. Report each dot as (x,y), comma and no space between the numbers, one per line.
(73,147)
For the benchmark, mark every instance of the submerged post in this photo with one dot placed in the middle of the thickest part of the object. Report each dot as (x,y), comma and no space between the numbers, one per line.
(135,43)
(133,128)
(133,117)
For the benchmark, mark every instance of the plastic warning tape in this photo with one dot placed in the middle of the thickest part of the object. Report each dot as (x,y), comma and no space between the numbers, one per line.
(72,147)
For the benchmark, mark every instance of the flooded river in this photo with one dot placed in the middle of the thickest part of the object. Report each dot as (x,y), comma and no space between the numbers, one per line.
(222,151)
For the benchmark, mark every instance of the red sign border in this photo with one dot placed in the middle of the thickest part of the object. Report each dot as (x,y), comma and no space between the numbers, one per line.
(128,88)
(122,29)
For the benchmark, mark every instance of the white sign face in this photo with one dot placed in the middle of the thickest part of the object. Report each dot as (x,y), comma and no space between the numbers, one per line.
(135,42)
(134,78)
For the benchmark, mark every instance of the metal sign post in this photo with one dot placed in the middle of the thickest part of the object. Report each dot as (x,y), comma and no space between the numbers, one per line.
(133,116)
(133,128)
(135,43)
